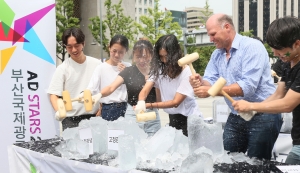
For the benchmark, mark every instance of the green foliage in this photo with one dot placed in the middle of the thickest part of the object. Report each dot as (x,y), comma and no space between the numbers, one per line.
(206,13)
(158,23)
(64,19)
(116,23)
(247,33)
(204,55)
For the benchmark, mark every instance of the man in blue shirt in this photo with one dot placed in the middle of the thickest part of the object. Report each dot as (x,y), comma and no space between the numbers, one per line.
(244,63)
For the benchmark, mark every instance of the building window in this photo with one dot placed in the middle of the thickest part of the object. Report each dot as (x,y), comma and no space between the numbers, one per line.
(277,9)
(145,2)
(292,8)
(140,10)
(266,17)
(140,2)
(241,16)
(150,2)
(145,11)
(284,8)
(253,18)
(298,9)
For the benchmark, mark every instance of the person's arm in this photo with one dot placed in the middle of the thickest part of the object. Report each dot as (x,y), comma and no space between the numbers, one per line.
(178,99)
(106,91)
(53,100)
(146,89)
(279,93)
(233,90)
(284,104)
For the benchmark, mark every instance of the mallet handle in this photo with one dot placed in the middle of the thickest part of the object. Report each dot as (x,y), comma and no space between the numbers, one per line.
(192,68)
(227,96)
(77,99)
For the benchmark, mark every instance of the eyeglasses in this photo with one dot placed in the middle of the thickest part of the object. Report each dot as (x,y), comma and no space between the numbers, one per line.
(121,53)
(70,47)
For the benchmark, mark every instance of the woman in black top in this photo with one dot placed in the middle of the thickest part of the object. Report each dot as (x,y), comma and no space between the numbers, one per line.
(134,77)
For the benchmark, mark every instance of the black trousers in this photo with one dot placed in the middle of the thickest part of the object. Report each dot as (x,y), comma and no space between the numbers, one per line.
(179,121)
(70,122)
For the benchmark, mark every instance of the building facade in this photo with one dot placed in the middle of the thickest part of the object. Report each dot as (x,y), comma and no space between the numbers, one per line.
(179,17)
(141,8)
(193,17)
(256,15)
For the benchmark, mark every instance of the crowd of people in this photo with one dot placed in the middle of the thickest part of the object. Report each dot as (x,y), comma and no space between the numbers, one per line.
(155,80)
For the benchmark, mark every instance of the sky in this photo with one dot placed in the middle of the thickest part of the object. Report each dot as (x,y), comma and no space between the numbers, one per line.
(219,6)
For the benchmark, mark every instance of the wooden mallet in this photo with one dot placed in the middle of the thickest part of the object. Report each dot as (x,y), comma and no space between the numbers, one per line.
(189,59)
(217,88)
(142,117)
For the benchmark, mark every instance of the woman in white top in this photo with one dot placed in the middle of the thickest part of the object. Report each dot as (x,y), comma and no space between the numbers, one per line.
(114,105)
(177,94)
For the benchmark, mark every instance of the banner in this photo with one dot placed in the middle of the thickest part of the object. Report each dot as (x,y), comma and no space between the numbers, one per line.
(27,63)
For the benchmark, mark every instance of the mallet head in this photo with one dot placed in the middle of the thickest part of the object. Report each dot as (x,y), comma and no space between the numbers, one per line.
(217,87)
(188,59)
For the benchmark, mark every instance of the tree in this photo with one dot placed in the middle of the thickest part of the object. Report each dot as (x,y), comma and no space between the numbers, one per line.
(206,13)
(116,23)
(158,23)
(247,33)
(64,19)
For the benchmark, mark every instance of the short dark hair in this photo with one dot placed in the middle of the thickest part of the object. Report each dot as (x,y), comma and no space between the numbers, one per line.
(283,32)
(174,53)
(119,39)
(75,32)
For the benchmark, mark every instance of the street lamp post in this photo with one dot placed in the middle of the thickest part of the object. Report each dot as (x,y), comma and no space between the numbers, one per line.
(101,34)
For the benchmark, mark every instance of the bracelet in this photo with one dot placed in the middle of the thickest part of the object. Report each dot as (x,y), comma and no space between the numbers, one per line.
(151,105)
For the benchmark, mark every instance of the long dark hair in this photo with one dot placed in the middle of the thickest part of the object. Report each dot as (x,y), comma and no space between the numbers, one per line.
(174,53)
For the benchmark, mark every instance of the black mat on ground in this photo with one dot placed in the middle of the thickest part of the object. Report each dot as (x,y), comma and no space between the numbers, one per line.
(48,146)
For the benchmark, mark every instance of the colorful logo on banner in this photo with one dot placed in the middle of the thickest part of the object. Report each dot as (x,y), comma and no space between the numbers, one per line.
(22,31)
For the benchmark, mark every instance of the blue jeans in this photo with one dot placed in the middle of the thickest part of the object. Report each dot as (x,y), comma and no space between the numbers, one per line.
(150,127)
(111,112)
(256,136)
(294,156)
